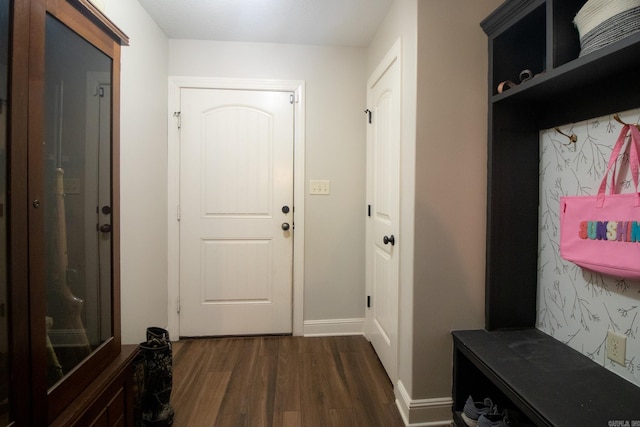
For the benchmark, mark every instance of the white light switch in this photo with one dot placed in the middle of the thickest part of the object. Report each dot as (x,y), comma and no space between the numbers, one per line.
(319,186)
(71,186)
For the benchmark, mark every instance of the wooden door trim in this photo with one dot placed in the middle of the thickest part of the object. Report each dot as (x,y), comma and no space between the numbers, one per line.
(176,83)
(17,222)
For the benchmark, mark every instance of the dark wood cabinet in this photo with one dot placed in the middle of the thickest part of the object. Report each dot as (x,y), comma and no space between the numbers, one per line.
(108,400)
(539,36)
(61,355)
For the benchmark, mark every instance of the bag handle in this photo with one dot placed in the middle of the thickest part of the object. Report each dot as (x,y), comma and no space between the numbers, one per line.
(634,141)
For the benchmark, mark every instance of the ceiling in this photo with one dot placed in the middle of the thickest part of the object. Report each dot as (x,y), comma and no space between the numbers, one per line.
(318,22)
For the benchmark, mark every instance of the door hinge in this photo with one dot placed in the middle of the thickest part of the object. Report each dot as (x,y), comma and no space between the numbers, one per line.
(178,305)
(101,92)
(178,212)
(368,112)
(368,301)
(291,99)
(178,116)
(368,210)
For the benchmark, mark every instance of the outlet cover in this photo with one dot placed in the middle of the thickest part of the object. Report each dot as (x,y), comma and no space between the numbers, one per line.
(617,347)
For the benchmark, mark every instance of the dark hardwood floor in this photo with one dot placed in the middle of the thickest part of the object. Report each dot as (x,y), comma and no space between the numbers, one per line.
(281,381)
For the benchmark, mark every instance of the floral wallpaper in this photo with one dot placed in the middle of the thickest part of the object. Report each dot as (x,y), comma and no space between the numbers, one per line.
(575,306)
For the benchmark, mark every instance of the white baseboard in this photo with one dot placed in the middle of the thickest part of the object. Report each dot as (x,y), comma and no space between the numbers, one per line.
(333,327)
(423,412)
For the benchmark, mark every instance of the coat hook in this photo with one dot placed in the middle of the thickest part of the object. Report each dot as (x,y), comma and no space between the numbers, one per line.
(572,138)
(617,118)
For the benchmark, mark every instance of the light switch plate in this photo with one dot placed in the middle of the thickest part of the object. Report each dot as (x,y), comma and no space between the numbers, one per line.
(617,347)
(71,186)
(320,186)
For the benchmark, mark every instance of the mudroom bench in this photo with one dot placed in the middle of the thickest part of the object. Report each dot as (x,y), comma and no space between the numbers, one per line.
(547,382)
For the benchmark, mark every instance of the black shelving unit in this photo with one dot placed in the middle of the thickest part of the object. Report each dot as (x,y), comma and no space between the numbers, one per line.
(538,35)
(547,383)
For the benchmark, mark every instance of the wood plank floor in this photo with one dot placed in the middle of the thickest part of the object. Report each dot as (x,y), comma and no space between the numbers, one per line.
(281,381)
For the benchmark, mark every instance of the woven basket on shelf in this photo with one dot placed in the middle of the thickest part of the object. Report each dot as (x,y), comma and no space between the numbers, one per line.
(602,22)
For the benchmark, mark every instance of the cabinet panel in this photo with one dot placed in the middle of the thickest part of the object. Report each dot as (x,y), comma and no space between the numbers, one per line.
(520,47)
(21,405)
(107,400)
(4,276)
(565,43)
(59,268)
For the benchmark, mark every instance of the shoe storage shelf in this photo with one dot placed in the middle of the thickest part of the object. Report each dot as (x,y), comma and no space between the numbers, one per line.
(546,383)
(537,36)
(61,358)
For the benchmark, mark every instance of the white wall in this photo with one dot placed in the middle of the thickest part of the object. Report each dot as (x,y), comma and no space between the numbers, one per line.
(451,149)
(443,190)
(143,163)
(335,150)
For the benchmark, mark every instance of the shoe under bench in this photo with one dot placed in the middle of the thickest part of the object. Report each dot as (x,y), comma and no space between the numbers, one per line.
(528,372)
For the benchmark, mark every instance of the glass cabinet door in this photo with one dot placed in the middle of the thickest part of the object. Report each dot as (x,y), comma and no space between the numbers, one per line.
(4,278)
(77,188)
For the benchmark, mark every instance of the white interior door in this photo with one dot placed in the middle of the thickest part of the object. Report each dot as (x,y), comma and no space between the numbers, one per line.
(383,194)
(97,209)
(236,212)
(104,211)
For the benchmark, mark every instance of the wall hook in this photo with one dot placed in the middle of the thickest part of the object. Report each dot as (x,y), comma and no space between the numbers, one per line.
(573,138)
(617,118)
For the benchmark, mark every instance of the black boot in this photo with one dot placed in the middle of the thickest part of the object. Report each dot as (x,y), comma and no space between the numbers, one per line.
(156,405)
(158,333)
(139,366)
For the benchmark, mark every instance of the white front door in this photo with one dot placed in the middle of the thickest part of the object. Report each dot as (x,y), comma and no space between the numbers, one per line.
(97,210)
(383,195)
(236,212)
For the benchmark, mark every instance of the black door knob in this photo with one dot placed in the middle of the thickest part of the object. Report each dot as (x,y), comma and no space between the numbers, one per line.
(389,239)
(285,209)
(105,228)
(285,226)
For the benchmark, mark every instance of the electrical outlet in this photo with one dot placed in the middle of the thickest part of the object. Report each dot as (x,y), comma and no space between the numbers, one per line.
(317,186)
(616,347)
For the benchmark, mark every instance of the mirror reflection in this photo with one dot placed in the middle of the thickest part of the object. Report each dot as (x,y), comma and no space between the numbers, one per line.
(77,176)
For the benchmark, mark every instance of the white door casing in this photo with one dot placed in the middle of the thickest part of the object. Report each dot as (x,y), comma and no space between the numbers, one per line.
(176,86)
(383,195)
(236,212)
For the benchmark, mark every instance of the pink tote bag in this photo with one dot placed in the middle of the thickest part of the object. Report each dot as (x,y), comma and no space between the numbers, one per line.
(601,233)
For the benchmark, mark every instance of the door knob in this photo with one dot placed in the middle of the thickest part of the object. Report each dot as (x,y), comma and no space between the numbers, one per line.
(105,228)
(389,239)
(285,209)
(285,226)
